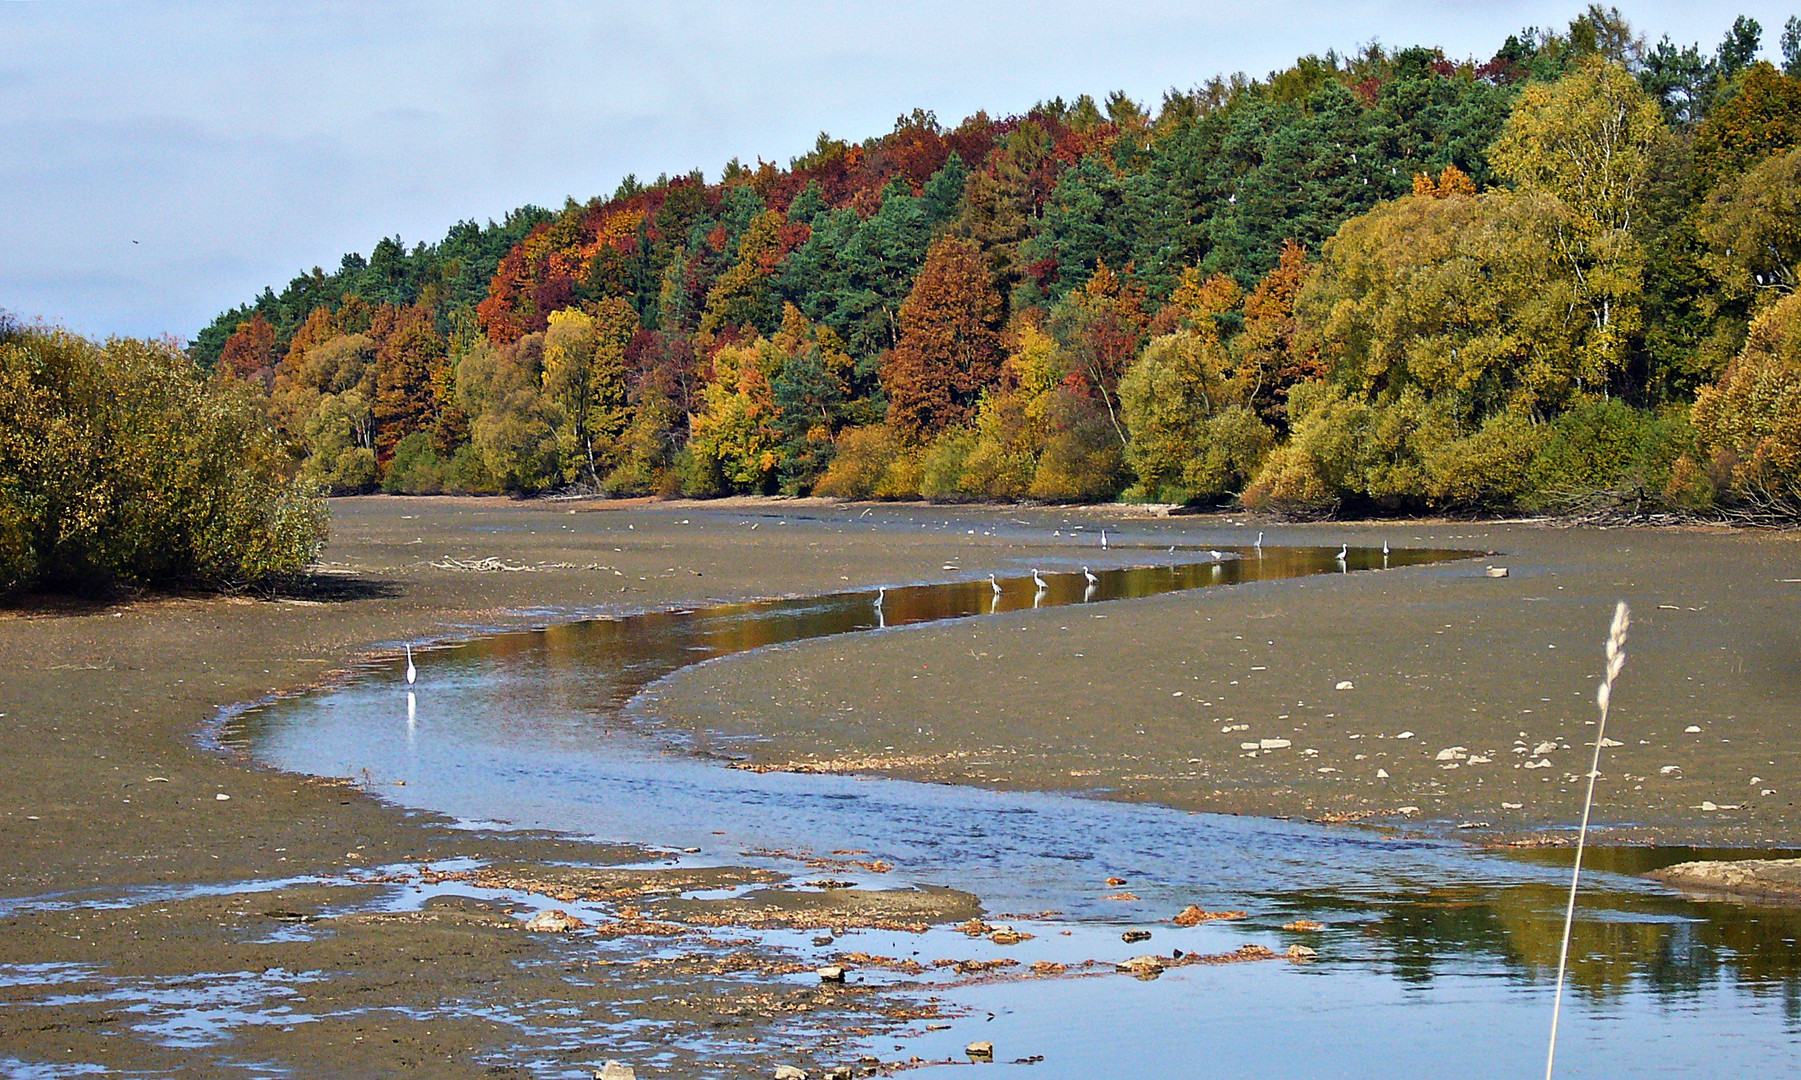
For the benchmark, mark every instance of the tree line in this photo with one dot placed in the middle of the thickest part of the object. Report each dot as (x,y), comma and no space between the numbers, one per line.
(1561,278)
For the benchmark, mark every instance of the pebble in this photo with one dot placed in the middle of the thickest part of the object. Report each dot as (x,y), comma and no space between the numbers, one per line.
(1272,744)
(831,973)
(1304,926)
(1381,774)
(1405,735)
(616,1070)
(1345,684)
(980,1051)
(222,797)
(1692,729)
(789,1072)
(1301,953)
(1496,571)
(555,921)
(1145,967)
(1131,937)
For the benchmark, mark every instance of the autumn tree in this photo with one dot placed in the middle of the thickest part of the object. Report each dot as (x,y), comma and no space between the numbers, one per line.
(1748,426)
(406,364)
(1589,140)
(1271,360)
(250,352)
(1760,117)
(1752,226)
(949,349)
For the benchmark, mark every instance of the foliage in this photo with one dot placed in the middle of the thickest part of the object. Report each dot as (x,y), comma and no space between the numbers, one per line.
(949,349)
(1748,426)
(122,464)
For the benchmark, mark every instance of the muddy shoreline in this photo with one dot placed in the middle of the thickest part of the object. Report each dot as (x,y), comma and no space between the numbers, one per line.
(105,787)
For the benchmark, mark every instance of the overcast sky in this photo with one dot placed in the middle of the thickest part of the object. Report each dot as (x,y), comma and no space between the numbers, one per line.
(162,161)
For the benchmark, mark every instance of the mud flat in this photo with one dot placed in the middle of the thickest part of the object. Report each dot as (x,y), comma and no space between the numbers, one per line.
(1764,879)
(252,915)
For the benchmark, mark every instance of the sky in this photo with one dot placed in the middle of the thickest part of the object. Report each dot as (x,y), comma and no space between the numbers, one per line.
(163,161)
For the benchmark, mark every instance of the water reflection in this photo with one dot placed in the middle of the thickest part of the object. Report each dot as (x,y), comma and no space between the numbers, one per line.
(526,728)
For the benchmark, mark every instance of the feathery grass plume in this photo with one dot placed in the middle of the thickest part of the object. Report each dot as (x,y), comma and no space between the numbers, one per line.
(1616,659)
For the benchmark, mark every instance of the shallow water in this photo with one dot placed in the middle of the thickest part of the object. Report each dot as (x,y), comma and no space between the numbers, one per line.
(1436,960)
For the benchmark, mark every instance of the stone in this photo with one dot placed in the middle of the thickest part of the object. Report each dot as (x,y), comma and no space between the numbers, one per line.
(1132,937)
(1008,936)
(831,973)
(222,797)
(980,1051)
(1452,753)
(1194,916)
(1145,967)
(840,1072)
(555,921)
(616,1070)
(1273,744)
(1405,735)
(789,1072)
(1345,684)
(1496,571)
(1692,729)
(1756,878)
(1307,926)
(1301,953)
(1381,774)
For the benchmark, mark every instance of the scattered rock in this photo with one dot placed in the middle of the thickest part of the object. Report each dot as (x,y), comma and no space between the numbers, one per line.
(616,1070)
(1273,744)
(1304,926)
(1132,937)
(1452,753)
(1512,806)
(832,973)
(789,1072)
(1116,881)
(1345,684)
(1405,735)
(1008,936)
(823,940)
(555,921)
(1381,774)
(1047,967)
(1692,729)
(1496,571)
(1145,967)
(1472,825)
(980,1051)
(222,797)
(1194,916)
(1300,954)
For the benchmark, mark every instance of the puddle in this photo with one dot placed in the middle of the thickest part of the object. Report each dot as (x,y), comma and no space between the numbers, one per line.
(1433,953)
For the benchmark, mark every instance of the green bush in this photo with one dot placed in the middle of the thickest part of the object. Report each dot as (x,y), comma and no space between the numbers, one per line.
(1606,453)
(124,464)
(415,468)
(942,468)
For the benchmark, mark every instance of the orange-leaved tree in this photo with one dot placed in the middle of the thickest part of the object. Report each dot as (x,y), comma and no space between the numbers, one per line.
(949,350)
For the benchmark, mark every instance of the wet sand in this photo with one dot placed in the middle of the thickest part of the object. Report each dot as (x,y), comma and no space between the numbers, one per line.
(104,787)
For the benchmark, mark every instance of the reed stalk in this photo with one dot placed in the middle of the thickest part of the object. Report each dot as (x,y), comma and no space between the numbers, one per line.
(1616,659)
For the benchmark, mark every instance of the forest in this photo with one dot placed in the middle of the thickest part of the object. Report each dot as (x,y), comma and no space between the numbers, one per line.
(1557,280)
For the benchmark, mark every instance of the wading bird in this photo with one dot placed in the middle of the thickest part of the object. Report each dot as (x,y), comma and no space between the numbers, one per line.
(1216,555)
(996,584)
(1103,539)
(412,673)
(1039,581)
(1385,549)
(1343,550)
(1259,544)
(1092,580)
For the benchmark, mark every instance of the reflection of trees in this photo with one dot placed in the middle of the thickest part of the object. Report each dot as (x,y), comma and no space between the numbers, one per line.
(1621,941)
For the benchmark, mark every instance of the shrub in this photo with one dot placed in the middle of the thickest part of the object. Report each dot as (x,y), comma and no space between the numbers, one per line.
(942,468)
(124,464)
(1748,425)
(415,468)
(872,462)
(1606,453)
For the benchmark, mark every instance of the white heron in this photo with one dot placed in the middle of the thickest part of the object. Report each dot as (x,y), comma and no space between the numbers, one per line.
(1259,544)
(1092,580)
(1343,550)
(1039,580)
(1216,556)
(996,585)
(412,673)
(1385,548)
(1103,539)
(881,593)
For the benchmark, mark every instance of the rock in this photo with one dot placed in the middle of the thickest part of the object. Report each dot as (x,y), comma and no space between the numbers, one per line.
(1766,878)
(222,797)
(1496,571)
(1381,774)
(1008,936)
(1453,753)
(555,921)
(1405,735)
(831,973)
(1145,967)
(789,1072)
(980,1051)
(1345,684)
(1692,729)
(1301,954)
(1543,748)
(1668,769)
(1194,916)
(1132,937)
(840,1072)
(616,1070)
(1273,744)
(822,940)
(1304,926)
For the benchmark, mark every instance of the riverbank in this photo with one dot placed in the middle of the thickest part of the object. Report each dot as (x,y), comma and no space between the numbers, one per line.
(104,789)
